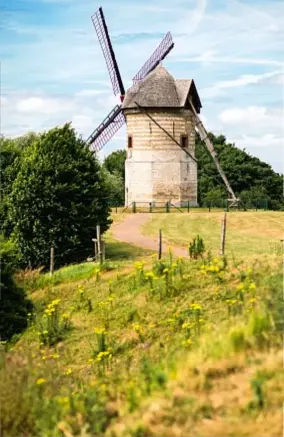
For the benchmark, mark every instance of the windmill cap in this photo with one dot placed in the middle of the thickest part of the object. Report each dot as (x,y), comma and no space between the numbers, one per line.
(159,89)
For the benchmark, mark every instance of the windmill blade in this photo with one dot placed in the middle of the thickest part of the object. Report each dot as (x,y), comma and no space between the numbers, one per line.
(106,130)
(100,26)
(159,54)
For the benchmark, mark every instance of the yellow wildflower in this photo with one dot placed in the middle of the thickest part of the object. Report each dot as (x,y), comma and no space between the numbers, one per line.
(99,330)
(40,381)
(68,371)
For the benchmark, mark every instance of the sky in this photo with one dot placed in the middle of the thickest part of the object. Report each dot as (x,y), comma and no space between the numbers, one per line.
(53,70)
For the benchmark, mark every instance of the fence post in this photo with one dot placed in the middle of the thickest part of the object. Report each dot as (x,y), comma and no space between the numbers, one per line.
(99,243)
(223,235)
(160,244)
(51,270)
(134,207)
(167,207)
(150,206)
(103,244)
(188,206)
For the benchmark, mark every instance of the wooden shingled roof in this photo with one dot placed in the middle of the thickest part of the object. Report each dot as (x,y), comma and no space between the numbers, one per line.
(160,90)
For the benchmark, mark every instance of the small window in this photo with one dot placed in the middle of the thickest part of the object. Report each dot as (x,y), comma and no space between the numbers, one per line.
(129,142)
(184,140)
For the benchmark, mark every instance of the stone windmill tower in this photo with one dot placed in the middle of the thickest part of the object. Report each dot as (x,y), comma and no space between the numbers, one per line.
(161,114)
(156,170)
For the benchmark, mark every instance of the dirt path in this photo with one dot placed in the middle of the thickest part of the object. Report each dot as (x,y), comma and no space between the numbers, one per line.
(129,231)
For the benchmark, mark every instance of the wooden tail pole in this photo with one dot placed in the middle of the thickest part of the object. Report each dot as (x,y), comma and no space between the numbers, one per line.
(51,270)
(223,235)
(160,244)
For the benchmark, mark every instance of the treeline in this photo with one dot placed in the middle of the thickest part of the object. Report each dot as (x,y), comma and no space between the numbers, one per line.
(250,178)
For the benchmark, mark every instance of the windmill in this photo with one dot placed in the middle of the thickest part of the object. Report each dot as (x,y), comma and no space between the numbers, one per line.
(161,114)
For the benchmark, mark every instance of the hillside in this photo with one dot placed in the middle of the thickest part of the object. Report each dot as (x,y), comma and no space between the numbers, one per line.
(142,347)
(248,233)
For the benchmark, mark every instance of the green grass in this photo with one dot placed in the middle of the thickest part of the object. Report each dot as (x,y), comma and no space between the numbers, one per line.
(248,233)
(182,363)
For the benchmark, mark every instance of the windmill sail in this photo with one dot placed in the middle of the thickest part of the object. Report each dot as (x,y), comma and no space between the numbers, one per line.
(159,54)
(106,130)
(99,23)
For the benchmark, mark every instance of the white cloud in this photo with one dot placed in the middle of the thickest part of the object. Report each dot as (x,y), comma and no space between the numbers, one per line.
(83,123)
(250,115)
(242,81)
(257,117)
(3,101)
(90,93)
(41,105)
(265,141)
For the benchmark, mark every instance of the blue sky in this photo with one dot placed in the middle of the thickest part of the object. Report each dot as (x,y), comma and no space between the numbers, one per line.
(53,70)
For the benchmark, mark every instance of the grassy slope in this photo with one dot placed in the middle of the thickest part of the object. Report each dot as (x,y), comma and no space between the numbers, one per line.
(248,233)
(227,382)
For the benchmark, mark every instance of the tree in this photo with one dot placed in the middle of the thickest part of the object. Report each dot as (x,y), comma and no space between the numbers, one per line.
(11,154)
(243,171)
(115,163)
(57,199)
(114,185)
(14,305)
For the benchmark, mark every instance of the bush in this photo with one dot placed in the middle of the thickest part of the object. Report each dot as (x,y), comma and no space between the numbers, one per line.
(57,199)
(14,306)
(196,248)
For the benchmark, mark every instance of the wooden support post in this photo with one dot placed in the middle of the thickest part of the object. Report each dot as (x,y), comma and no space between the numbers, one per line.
(188,206)
(134,207)
(168,207)
(95,248)
(51,261)
(223,235)
(99,243)
(103,245)
(150,206)
(160,244)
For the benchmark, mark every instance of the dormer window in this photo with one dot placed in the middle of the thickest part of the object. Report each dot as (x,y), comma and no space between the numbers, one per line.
(184,141)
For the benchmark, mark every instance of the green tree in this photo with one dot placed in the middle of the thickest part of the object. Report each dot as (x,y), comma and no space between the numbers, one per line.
(11,151)
(14,305)
(115,163)
(114,186)
(243,171)
(57,199)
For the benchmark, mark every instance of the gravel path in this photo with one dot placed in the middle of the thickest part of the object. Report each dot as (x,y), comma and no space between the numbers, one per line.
(129,231)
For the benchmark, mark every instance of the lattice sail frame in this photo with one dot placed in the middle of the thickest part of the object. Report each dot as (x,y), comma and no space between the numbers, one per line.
(100,26)
(115,119)
(159,54)
(107,129)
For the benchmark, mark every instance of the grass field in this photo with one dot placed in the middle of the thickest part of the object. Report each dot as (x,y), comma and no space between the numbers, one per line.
(248,233)
(167,348)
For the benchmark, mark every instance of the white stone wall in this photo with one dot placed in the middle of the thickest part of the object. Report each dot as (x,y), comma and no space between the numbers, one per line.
(156,169)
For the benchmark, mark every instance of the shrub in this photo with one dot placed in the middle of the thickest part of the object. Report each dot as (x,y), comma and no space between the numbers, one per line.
(14,305)
(196,248)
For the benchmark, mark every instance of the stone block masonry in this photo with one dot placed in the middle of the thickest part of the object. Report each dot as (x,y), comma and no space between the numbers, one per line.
(157,169)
